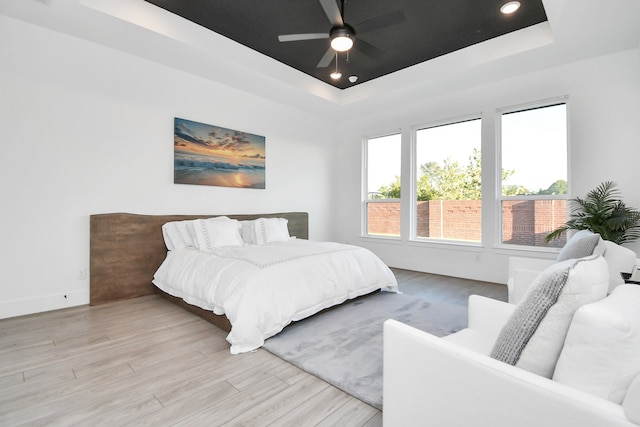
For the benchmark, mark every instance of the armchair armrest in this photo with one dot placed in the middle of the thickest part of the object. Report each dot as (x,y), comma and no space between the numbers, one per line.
(488,315)
(429,381)
(521,273)
(486,319)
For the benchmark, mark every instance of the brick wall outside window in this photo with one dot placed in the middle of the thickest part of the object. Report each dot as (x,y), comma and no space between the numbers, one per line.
(524,222)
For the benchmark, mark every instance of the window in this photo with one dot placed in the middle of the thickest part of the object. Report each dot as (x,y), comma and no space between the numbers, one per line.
(382,186)
(448,186)
(533,199)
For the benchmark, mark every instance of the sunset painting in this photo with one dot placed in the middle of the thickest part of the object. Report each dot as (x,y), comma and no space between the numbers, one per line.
(212,155)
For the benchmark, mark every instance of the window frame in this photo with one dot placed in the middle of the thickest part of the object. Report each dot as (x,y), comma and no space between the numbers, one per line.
(364,232)
(499,112)
(414,176)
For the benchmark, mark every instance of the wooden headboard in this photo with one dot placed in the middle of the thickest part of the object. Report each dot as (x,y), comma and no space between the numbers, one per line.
(127,249)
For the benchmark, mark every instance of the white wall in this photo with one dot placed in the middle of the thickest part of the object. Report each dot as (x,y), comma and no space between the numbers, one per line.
(87,129)
(604,120)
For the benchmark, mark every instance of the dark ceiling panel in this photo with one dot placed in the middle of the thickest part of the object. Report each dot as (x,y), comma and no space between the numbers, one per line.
(394,34)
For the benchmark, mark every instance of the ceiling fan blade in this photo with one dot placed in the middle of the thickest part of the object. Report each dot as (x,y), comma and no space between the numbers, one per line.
(325,61)
(333,11)
(369,50)
(299,37)
(380,22)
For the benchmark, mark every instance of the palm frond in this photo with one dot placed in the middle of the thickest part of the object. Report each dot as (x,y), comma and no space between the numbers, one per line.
(602,212)
(556,234)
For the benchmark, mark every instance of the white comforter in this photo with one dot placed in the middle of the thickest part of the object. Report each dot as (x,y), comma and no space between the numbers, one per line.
(263,288)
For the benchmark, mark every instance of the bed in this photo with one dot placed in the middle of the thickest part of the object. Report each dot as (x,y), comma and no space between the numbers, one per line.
(254,290)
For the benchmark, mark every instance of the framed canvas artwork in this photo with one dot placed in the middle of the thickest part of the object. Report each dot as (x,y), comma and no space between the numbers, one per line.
(212,155)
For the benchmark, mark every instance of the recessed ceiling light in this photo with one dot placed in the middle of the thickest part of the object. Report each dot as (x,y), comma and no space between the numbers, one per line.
(353,79)
(510,7)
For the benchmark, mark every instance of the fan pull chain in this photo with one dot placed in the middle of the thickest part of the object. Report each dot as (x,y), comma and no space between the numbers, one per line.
(337,74)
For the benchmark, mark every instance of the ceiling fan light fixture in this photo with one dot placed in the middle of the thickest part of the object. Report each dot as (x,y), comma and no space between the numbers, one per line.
(510,7)
(342,38)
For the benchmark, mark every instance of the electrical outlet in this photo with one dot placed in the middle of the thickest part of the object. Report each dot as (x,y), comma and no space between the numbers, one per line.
(82,274)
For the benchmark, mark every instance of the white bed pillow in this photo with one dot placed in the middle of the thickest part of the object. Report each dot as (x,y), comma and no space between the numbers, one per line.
(264,230)
(272,230)
(179,234)
(220,232)
(247,232)
(182,234)
(601,353)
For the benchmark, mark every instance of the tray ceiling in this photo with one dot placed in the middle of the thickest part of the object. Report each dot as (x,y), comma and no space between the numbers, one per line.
(390,35)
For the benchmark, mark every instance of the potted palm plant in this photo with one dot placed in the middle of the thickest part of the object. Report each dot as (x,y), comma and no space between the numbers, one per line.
(602,212)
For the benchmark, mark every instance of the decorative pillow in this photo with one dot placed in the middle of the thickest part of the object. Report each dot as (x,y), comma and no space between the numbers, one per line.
(533,337)
(264,230)
(601,353)
(582,244)
(272,230)
(215,233)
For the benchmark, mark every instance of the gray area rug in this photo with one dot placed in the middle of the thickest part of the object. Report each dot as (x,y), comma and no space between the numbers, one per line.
(343,346)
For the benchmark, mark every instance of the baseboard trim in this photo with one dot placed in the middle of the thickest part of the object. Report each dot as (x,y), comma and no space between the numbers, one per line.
(24,306)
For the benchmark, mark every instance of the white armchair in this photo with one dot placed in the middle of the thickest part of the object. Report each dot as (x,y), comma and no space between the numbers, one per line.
(430,381)
(452,381)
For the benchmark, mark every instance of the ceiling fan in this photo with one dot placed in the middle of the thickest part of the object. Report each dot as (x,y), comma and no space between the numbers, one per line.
(341,32)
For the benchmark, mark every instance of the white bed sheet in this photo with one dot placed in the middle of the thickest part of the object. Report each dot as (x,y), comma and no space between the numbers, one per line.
(263,288)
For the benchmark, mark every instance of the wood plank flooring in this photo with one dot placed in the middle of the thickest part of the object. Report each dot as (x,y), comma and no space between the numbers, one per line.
(146,361)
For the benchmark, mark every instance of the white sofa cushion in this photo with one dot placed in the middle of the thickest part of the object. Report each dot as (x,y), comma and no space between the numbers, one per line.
(631,403)
(620,259)
(601,354)
(533,337)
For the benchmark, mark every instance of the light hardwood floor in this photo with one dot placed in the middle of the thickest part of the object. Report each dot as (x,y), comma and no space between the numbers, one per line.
(146,361)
